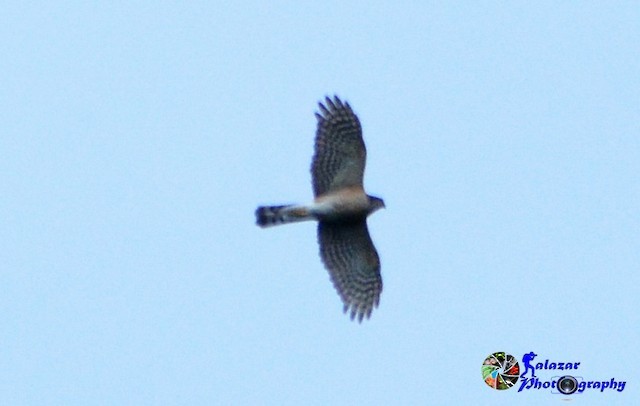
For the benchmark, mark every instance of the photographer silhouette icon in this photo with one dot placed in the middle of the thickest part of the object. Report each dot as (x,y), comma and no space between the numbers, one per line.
(526,359)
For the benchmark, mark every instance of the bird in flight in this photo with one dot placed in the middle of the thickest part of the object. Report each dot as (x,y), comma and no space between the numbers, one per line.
(341,207)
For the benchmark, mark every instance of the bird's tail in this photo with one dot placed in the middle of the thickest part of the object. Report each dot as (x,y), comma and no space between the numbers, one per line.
(274,215)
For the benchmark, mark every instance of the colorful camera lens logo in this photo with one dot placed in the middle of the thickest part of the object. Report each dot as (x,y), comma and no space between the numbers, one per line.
(500,370)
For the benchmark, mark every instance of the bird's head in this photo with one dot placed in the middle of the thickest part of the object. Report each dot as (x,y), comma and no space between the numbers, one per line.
(375,203)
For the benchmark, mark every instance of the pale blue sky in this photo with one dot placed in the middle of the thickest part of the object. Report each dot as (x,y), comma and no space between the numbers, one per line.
(138,138)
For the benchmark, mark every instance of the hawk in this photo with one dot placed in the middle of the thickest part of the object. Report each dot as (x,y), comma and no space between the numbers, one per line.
(341,207)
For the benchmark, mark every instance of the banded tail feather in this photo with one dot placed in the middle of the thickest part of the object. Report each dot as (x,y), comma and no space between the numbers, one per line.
(267,216)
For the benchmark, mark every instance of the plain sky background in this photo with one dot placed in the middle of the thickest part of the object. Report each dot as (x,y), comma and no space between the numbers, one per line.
(137,138)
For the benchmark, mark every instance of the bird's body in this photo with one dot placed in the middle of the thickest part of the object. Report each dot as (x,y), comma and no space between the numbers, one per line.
(350,204)
(341,207)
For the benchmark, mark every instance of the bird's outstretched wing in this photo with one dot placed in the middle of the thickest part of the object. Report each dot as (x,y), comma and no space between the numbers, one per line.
(340,153)
(353,264)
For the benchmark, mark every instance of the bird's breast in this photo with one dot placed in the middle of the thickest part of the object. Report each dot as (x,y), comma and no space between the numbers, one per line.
(342,205)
